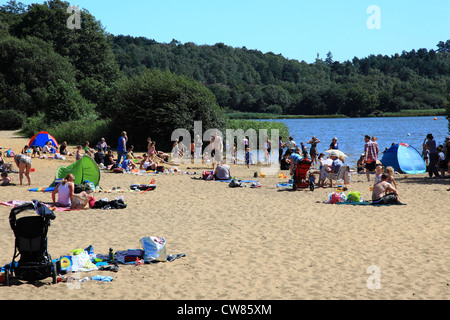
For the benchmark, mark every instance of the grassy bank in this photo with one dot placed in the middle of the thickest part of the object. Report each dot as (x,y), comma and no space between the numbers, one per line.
(416,113)
(255,115)
(258,125)
(403,113)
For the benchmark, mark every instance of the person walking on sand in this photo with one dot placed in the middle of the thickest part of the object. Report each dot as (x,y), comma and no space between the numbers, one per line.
(313,151)
(216,149)
(370,155)
(429,145)
(122,146)
(281,145)
(198,143)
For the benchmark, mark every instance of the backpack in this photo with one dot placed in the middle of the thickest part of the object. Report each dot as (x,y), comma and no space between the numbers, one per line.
(354,196)
(235,183)
(207,175)
(335,197)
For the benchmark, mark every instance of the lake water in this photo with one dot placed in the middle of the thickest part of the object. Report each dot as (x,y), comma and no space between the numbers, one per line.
(350,132)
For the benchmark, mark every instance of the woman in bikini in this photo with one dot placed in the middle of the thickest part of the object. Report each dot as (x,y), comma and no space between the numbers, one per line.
(23,162)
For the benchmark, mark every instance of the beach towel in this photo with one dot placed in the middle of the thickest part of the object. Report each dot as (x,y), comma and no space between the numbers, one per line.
(285,185)
(47,189)
(368,203)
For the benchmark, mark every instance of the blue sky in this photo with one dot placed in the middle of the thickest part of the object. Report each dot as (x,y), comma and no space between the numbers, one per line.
(296,29)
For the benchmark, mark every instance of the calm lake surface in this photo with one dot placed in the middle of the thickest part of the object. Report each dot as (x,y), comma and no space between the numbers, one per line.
(350,132)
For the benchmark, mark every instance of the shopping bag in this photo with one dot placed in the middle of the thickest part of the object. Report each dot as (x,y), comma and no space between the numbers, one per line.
(154,249)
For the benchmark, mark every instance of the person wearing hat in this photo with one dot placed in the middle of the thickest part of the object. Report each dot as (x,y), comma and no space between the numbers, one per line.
(328,170)
(430,145)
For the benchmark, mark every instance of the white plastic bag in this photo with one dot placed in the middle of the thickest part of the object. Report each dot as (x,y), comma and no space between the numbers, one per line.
(154,249)
(81,262)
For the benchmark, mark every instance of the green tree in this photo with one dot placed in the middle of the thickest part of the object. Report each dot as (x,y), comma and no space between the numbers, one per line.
(28,67)
(155,103)
(87,48)
(65,103)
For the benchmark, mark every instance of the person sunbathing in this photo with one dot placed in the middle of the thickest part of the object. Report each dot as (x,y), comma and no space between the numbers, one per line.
(222,172)
(147,163)
(385,193)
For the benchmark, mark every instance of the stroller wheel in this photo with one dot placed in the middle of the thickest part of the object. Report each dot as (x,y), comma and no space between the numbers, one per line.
(294,186)
(7,278)
(311,186)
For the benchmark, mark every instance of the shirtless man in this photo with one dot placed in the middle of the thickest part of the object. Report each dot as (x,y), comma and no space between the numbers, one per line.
(384,193)
(217,149)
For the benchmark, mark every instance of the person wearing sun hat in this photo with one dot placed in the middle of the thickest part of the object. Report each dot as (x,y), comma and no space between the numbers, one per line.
(333,169)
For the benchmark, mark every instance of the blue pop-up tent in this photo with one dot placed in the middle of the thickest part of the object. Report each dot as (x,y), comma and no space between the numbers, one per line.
(404,158)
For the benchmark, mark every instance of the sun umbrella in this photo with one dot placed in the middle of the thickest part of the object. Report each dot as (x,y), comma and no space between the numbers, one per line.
(338,152)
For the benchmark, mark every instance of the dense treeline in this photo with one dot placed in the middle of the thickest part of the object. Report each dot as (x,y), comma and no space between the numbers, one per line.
(84,83)
(250,81)
(67,81)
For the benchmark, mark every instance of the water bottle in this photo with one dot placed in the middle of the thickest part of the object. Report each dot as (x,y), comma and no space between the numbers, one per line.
(111,255)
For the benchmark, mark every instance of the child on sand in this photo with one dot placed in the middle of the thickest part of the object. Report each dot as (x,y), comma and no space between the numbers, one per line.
(128,164)
(248,157)
(390,173)
(36,151)
(379,170)
(78,153)
(5,180)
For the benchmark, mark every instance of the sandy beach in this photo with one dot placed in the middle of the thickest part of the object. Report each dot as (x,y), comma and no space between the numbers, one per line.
(244,243)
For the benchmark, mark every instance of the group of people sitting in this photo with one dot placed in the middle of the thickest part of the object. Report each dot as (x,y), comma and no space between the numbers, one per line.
(384,190)
(326,171)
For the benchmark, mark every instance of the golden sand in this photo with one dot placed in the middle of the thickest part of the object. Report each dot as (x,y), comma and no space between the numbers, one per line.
(245,243)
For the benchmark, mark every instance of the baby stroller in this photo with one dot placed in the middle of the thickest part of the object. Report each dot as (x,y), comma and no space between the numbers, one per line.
(31,244)
(302,178)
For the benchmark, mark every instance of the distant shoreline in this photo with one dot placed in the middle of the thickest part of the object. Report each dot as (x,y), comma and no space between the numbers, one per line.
(270,116)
